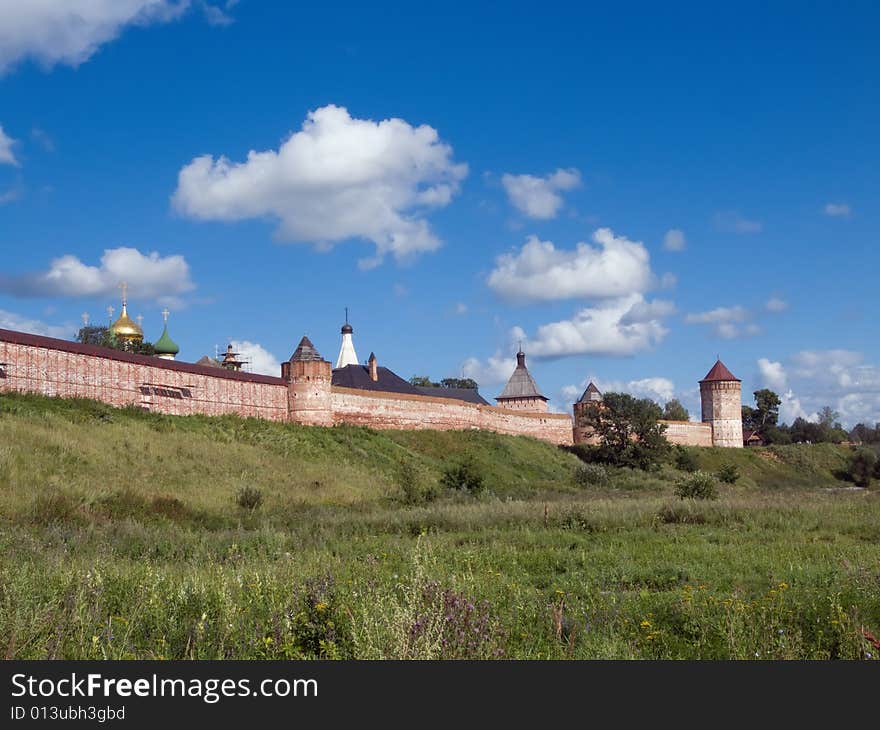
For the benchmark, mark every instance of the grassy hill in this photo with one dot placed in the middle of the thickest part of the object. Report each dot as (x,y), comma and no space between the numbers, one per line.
(121,536)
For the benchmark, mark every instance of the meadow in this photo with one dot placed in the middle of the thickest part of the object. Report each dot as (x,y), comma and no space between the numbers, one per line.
(133,535)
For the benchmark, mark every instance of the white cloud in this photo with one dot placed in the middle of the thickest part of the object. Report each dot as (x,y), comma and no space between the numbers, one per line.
(658,389)
(10,196)
(337,178)
(149,276)
(838,210)
(7,156)
(13,321)
(812,379)
(461,308)
(621,326)
(615,267)
(728,323)
(773,374)
(776,305)
(259,359)
(732,222)
(69,32)
(497,369)
(674,240)
(668,281)
(538,197)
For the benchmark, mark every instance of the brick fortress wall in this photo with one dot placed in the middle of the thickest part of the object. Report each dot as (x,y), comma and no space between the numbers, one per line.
(29,363)
(52,367)
(395,410)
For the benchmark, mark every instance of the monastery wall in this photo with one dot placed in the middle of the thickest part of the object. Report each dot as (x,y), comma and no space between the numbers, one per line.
(688,433)
(30,363)
(396,410)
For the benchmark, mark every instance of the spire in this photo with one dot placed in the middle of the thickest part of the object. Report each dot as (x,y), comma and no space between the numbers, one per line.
(305,351)
(719,373)
(347,355)
(521,383)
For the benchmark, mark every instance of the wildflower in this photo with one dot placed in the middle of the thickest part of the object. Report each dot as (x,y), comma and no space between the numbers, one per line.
(645,624)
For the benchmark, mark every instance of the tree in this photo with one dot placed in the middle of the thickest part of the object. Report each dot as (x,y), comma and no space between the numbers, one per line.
(862,466)
(103,337)
(749,418)
(628,430)
(459,383)
(767,410)
(675,411)
(423,381)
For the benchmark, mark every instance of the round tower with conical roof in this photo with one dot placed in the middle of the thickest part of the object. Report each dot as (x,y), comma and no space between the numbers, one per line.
(721,399)
(309,379)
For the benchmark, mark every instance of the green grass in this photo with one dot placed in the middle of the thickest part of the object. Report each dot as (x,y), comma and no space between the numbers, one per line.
(120,537)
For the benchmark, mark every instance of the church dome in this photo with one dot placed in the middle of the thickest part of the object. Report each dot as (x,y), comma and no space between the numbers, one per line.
(125,328)
(165,345)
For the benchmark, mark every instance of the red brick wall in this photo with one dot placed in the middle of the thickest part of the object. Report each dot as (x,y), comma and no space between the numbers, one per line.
(394,410)
(66,369)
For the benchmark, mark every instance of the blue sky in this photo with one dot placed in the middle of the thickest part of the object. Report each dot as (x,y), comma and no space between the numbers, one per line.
(629,192)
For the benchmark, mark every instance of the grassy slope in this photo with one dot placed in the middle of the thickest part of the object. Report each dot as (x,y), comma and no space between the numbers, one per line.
(119,537)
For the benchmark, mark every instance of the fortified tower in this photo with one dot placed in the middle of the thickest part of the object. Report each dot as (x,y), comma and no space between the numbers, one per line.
(721,399)
(309,378)
(521,392)
(582,431)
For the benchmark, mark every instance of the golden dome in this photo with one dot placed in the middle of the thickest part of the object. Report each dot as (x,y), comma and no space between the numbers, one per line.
(125,328)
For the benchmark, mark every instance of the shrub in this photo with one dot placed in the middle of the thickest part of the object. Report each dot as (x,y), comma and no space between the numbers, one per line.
(590,475)
(412,490)
(249,498)
(685,460)
(862,466)
(698,485)
(464,476)
(728,473)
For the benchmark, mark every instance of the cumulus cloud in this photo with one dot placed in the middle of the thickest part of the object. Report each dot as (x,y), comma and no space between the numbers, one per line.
(69,32)
(7,156)
(674,240)
(13,321)
(812,379)
(838,210)
(658,389)
(149,276)
(776,305)
(497,369)
(614,267)
(337,178)
(538,197)
(772,374)
(732,222)
(621,326)
(258,358)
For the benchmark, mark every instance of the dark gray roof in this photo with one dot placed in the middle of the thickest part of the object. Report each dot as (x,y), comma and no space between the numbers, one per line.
(209,362)
(305,351)
(591,394)
(521,383)
(358,376)
(468,395)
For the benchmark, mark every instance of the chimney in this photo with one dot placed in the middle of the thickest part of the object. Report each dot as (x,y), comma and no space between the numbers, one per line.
(374,371)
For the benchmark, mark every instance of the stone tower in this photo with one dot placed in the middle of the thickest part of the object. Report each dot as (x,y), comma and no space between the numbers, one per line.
(721,399)
(309,378)
(521,392)
(582,432)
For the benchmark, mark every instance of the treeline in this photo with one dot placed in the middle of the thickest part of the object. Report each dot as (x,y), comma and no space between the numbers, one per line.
(763,418)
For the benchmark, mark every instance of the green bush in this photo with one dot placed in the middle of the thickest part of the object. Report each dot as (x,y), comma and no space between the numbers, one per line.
(590,475)
(685,460)
(464,476)
(249,498)
(862,466)
(728,473)
(412,490)
(698,485)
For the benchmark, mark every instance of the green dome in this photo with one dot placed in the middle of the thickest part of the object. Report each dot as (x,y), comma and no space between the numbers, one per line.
(165,345)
